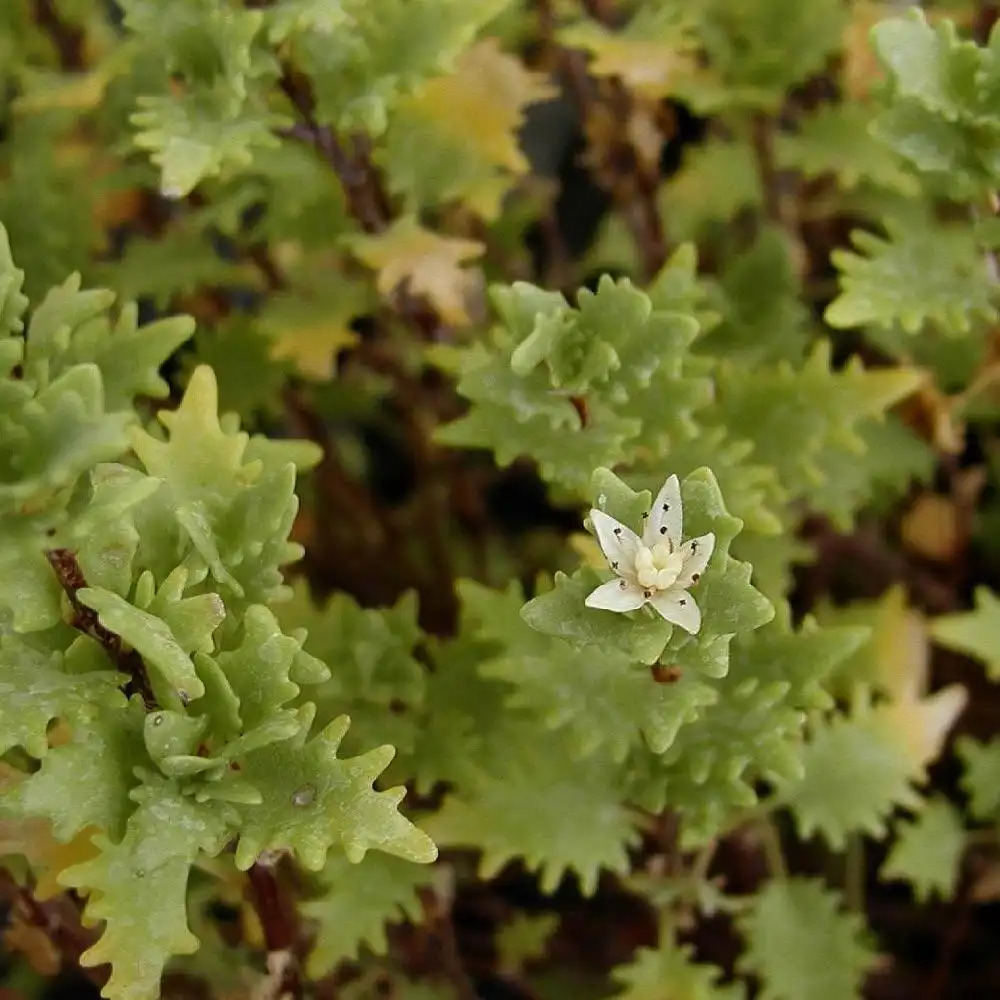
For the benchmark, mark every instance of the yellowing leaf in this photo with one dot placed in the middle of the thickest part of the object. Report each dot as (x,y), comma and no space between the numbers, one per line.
(309,325)
(483,101)
(427,263)
(861,66)
(922,724)
(649,67)
(900,647)
(457,138)
(896,655)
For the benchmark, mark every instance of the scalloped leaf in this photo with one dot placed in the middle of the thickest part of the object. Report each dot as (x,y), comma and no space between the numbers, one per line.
(855,771)
(139,889)
(33,692)
(975,633)
(923,271)
(668,971)
(557,826)
(456,138)
(981,777)
(86,782)
(357,902)
(803,946)
(424,262)
(312,800)
(928,851)
(941,110)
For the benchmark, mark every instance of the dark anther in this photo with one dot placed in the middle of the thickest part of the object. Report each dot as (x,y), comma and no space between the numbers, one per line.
(666,506)
(696,577)
(663,530)
(618,531)
(623,584)
(694,547)
(647,593)
(682,602)
(614,565)
(645,515)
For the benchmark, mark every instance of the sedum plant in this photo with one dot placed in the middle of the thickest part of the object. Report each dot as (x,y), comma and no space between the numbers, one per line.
(482,478)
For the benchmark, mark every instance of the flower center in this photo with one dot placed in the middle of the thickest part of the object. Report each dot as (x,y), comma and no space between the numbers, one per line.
(658,567)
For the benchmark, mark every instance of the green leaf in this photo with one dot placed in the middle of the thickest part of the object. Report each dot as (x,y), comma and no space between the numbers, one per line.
(72,327)
(13,302)
(837,140)
(87,781)
(763,318)
(981,778)
(56,437)
(160,645)
(748,732)
(180,261)
(668,971)
(258,669)
(855,771)
(941,110)
(718,179)
(527,810)
(312,800)
(759,50)
(615,350)
(232,497)
(975,633)
(139,889)
(803,946)
(928,851)
(33,692)
(357,902)
(923,271)
(377,680)
(797,419)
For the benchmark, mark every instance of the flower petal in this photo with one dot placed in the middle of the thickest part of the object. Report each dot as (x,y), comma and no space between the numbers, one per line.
(678,607)
(618,543)
(616,595)
(666,517)
(696,552)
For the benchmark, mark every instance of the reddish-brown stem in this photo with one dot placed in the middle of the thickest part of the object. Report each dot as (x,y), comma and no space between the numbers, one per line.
(70,576)
(279,922)
(762,139)
(68,39)
(632,184)
(445,945)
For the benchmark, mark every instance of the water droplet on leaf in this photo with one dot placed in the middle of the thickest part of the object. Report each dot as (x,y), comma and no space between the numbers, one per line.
(304,795)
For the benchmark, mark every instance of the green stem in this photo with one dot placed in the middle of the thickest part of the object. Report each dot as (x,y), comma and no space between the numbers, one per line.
(854,874)
(771,842)
(703,861)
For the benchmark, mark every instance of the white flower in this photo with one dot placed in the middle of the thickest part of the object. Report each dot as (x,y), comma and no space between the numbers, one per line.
(655,569)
